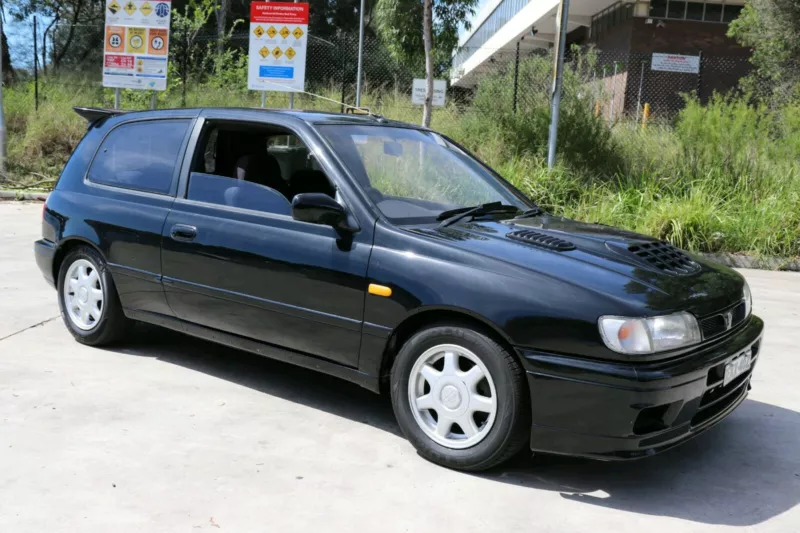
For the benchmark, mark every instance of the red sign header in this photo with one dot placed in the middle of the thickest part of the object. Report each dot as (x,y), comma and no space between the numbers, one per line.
(279,12)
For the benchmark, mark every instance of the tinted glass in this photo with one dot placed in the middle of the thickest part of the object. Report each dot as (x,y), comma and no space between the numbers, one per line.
(677,10)
(658,8)
(694,11)
(412,175)
(713,12)
(731,13)
(140,155)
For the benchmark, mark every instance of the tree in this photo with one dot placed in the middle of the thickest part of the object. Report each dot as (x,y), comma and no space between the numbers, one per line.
(770,28)
(423,34)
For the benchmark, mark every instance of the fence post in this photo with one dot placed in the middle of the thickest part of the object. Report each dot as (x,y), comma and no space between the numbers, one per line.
(699,73)
(343,46)
(360,52)
(35,67)
(639,99)
(516,77)
(613,94)
(2,115)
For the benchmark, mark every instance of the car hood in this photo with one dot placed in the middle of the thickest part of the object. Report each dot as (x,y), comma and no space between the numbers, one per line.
(599,258)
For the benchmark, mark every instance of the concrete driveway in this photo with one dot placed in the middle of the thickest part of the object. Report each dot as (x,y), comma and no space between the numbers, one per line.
(168,433)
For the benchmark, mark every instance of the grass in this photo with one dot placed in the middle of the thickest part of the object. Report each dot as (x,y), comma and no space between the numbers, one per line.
(724,177)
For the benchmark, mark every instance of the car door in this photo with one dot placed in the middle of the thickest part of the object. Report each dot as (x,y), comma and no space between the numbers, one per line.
(245,266)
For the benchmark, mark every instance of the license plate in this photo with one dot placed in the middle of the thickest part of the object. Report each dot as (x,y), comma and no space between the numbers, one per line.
(738,366)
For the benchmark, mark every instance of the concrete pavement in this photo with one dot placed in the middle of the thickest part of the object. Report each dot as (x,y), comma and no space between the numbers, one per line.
(169,433)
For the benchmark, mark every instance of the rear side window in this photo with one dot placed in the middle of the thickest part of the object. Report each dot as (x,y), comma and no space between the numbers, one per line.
(140,155)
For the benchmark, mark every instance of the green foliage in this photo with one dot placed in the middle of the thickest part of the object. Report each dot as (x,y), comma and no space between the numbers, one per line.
(770,28)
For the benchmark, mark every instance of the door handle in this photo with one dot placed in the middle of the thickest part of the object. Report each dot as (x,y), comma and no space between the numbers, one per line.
(182,232)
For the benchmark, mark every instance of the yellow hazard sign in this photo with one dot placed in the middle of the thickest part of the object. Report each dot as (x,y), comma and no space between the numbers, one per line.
(285,32)
(277,52)
(290,53)
(136,40)
(272,32)
(264,52)
(297,33)
(146,9)
(113,7)
(259,32)
(130,8)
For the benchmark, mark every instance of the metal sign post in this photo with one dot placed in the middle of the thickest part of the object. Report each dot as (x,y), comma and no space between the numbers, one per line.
(558,80)
(360,53)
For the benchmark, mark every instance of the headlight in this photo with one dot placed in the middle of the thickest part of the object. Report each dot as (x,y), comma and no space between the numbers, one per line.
(649,335)
(748,300)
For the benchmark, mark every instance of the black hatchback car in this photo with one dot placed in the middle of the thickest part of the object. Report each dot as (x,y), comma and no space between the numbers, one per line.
(387,255)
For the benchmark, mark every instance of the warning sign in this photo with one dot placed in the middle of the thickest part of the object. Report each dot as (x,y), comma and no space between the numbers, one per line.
(115,39)
(157,39)
(259,32)
(136,44)
(675,63)
(281,68)
(136,40)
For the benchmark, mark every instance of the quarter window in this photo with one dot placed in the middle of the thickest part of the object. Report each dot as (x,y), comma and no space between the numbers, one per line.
(140,155)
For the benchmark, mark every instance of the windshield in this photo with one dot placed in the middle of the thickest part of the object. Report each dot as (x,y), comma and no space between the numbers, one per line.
(412,175)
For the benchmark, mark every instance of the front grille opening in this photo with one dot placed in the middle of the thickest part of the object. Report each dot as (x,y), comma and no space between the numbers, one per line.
(716,324)
(541,239)
(719,398)
(665,257)
(651,419)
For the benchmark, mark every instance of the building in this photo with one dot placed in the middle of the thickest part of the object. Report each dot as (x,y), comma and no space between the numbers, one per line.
(626,35)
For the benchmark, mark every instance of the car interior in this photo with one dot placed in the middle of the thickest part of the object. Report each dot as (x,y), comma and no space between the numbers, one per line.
(254,168)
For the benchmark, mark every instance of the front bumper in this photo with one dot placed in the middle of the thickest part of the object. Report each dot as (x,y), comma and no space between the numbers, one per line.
(45,252)
(609,410)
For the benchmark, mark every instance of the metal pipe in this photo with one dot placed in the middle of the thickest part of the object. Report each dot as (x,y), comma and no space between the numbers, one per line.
(613,94)
(35,66)
(639,99)
(263,99)
(360,53)
(116,98)
(516,77)
(2,115)
(558,80)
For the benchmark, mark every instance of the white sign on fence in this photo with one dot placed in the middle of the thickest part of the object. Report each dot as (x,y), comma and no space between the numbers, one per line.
(136,44)
(676,63)
(418,91)
(278,36)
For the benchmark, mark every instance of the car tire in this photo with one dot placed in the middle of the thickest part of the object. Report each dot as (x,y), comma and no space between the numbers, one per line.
(92,290)
(423,385)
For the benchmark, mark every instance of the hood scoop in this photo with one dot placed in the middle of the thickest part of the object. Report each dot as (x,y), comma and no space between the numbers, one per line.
(541,239)
(665,257)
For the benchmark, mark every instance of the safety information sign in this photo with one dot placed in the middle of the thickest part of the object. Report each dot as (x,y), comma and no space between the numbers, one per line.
(278,36)
(137,43)
(675,63)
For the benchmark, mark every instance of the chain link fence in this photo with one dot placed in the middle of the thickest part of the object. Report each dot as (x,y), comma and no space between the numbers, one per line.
(208,71)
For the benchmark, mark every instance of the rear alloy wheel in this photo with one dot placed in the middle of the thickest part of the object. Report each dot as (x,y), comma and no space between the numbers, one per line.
(88,299)
(460,398)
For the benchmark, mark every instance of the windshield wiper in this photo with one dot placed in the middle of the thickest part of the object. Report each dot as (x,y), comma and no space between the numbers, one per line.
(530,212)
(454,215)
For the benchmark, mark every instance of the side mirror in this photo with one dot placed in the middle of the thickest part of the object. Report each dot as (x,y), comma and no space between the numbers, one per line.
(319,208)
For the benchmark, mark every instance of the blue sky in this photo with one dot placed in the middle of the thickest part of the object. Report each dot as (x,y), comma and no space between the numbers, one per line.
(20,39)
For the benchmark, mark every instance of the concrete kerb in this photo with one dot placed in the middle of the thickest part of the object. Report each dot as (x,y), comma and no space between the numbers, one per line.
(727,259)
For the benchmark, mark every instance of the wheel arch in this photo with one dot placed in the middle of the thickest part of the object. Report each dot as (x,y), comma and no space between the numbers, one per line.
(66,246)
(436,316)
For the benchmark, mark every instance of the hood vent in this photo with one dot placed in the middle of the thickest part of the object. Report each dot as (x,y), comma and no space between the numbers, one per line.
(540,239)
(665,257)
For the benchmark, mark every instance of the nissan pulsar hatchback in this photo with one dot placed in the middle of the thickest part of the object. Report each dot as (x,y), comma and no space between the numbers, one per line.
(387,255)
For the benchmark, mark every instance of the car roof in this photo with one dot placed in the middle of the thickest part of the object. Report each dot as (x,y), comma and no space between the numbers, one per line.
(252,114)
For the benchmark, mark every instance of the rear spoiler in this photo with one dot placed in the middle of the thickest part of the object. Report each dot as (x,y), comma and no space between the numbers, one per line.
(96,113)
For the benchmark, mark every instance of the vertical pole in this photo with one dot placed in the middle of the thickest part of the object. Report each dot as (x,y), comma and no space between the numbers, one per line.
(291,100)
(613,94)
(35,66)
(2,115)
(116,98)
(263,99)
(645,115)
(360,53)
(152,99)
(516,77)
(699,73)
(558,80)
(639,98)
(343,46)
